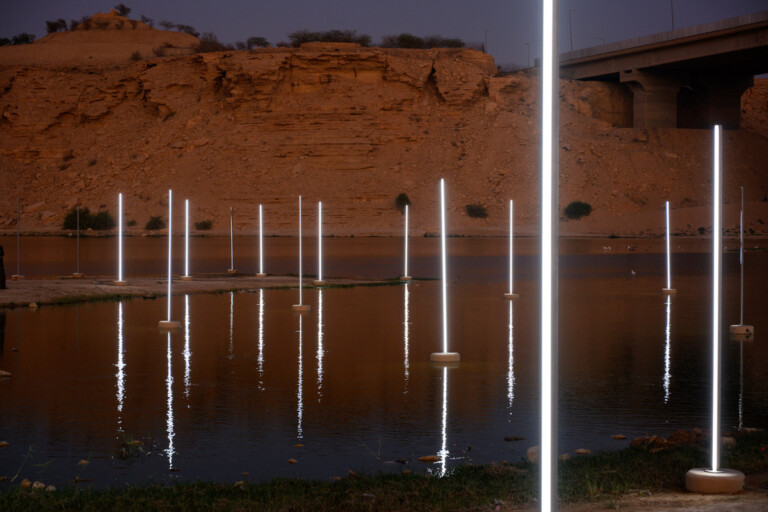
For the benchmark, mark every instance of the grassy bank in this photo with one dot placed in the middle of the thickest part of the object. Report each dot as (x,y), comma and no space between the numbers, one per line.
(596,478)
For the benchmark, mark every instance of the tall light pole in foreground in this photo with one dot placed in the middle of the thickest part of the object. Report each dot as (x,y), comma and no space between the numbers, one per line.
(668,290)
(714,479)
(120,281)
(549,166)
(169,324)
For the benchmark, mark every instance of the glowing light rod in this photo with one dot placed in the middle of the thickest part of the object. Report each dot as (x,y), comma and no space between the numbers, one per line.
(715,480)
(668,290)
(186,276)
(231,269)
(511,295)
(444,356)
(405,276)
(300,307)
(319,281)
(168,323)
(120,281)
(549,166)
(261,244)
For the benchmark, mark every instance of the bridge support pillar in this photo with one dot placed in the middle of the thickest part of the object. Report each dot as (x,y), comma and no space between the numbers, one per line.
(654,98)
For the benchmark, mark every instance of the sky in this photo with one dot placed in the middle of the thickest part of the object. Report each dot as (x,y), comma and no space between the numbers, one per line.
(510,27)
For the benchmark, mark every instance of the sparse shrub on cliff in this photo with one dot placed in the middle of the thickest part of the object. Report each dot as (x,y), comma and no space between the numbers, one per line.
(147,21)
(102,220)
(59,25)
(476,211)
(22,38)
(401,201)
(406,40)
(210,43)
(167,25)
(123,10)
(204,225)
(330,36)
(577,210)
(154,223)
(256,42)
(136,55)
(188,29)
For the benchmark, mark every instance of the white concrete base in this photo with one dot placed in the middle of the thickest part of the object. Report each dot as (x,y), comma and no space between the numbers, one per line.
(119,283)
(232,271)
(301,308)
(706,481)
(668,291)
(168,325)
(742,330)
(17,277)
(445,357)
(186,278)
(77,275)
(405,279)
(260,274)
(318,283)
(511,296)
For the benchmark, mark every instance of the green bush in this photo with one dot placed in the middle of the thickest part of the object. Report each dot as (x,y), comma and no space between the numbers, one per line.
(154,223)
(401,201)
(577,210)
(204,225)
(102,220)
(476,211)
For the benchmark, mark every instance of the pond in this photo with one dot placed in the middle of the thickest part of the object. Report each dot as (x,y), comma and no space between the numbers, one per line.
(250,390)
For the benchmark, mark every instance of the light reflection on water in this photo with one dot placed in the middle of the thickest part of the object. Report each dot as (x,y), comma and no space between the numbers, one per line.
(246,403)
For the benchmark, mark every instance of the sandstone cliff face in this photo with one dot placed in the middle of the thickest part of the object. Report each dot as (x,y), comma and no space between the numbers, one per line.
(350,126)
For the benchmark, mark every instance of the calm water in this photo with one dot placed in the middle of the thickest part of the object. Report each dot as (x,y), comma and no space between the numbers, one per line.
(248,385)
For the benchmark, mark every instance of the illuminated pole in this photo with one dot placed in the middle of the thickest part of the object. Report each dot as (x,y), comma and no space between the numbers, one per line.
(741,257)
(186,276)
(405,276)
(319,281)
(261,244)
(715,479)
(300,307)
(549,168)
(168,324)
(511,294)
(119,281)
(231,269)
(668,290)
(444,356)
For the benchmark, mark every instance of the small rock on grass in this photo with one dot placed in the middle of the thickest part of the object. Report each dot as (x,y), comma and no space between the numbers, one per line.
(26,484)
(4,373)
(83,462)
(38,485)
(533,454)
(291,461)
(3,444)
(583,451)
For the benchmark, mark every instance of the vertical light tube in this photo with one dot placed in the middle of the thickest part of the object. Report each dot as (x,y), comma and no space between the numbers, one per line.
(186,237)
(170,246)
(444,273)
(549,138)
(120,237)
(511,242)
(261,242)
(231,240)
(319,240)
(300,257)
(741,257)
(78,237)
(716,271)
(406,241)
(669,267)
(18,238)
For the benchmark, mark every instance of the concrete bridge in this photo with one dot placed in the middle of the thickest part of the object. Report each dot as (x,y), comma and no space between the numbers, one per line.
(687,78)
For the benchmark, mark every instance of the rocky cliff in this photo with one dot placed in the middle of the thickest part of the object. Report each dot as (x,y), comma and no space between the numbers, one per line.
(351,126)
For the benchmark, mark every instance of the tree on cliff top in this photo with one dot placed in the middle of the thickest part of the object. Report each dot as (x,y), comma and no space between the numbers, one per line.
(406,40)
(331,36)
(123,10)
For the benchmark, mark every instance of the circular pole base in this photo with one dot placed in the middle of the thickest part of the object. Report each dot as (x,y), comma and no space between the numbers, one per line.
(301,308)
(261,274)
(406,279)
(186,278)
(231,271)
(511,296)
(119,283)
(168,325)
(706,481)
(17,277)
(668,291)
(318,283)
(77,275)
(445,357)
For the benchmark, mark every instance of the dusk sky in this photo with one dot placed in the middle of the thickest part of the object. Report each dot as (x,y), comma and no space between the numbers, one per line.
(509,24)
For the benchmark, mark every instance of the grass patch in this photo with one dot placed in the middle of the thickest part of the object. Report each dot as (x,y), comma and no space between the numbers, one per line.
(600,477)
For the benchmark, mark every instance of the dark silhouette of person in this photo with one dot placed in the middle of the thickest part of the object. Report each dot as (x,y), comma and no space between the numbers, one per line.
(2,269)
